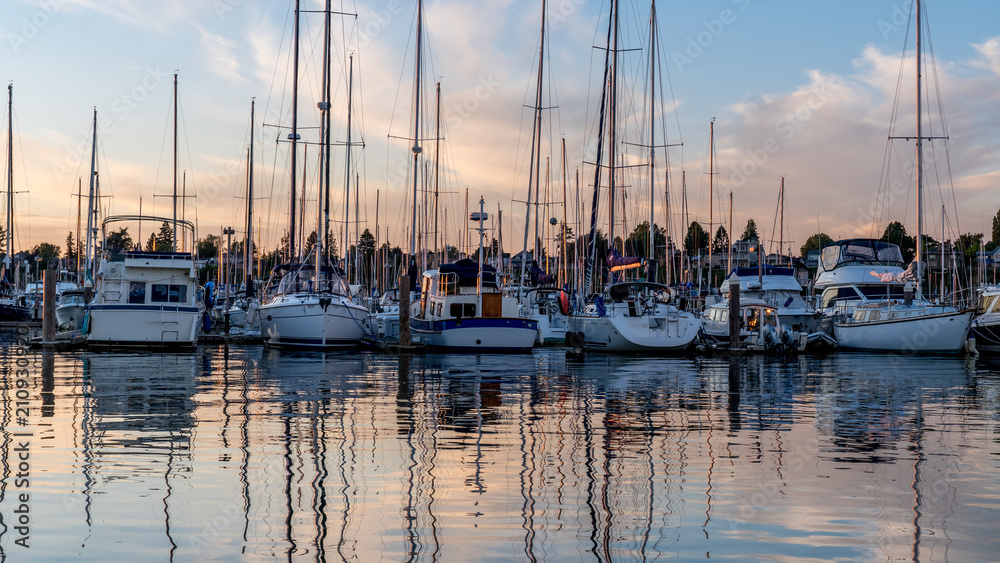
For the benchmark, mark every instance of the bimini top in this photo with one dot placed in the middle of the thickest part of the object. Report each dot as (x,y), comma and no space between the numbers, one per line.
(860,251)
(468,271)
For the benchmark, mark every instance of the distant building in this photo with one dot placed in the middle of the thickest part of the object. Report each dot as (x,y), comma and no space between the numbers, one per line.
(812,259)
(951,256)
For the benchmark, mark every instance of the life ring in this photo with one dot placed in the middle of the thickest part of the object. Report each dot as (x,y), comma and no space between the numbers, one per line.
(563,302)
(574,339)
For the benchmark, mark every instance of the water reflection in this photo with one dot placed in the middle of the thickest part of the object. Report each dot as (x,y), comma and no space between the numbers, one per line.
(261,454)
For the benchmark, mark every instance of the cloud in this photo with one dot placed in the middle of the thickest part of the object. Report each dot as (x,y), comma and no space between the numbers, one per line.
(220,57)
(828,138)
(990,52)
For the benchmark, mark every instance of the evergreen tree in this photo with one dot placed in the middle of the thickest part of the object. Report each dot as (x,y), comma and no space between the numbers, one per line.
(119,240)
(165,238)
(70,251)
(996,230)
(750,232)
(721,241)
(696,239)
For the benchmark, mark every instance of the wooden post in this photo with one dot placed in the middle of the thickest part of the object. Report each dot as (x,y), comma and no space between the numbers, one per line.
(734,314)
(404,310)
(49,304)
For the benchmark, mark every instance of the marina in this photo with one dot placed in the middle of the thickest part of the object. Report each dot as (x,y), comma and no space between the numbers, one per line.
(457,288)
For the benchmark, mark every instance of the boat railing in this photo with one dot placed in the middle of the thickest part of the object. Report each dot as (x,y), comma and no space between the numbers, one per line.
(448,283)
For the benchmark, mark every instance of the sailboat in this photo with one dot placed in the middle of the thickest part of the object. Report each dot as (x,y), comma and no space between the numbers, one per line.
(308,304)
(630,316)
(144,297)
(544,303)
(912,325)
(13,306)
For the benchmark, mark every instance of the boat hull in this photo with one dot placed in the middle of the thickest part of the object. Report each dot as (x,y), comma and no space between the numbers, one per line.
(70,317)
(14,313)
(301,322)
(987,334)
(672,333)
(939,333)
(476,334)
(121,324)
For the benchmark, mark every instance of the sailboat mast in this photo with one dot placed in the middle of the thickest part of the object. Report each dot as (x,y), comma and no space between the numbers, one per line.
(294,136)
(347,176)
(323,223)
(711,194)
(248,242)
(437,164)
(687,227)
(781,220)
(651,252)
(667,230)
(173,243)
(565,270)
(920,167)
(91,203)
(612,127)
(9,242)
(606,92)
(416,131)
(536,144)
(79,204)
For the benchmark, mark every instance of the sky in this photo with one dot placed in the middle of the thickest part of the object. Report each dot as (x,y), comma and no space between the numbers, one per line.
(801,90)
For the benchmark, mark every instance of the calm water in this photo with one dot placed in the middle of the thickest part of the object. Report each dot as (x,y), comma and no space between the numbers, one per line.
(254,454)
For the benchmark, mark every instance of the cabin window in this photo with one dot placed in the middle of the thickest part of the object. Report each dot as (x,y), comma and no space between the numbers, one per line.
(462,310)
(168,293)
(770,318)
(137,292)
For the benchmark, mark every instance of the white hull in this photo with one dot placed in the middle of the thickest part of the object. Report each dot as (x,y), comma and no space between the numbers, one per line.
(299,321)
(70,317)
(551,329)
(941,333)
(145,299)
(153,325)
(387,325)
(672,332)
